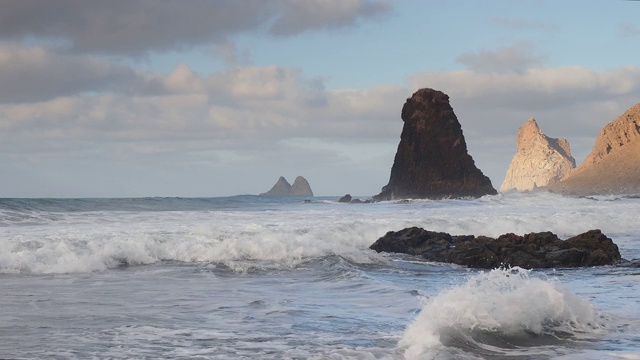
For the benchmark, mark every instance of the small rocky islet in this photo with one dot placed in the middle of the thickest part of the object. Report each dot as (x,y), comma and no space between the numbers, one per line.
(282,187)
(534,250)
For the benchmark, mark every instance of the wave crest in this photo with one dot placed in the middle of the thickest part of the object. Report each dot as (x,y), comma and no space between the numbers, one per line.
(499,311)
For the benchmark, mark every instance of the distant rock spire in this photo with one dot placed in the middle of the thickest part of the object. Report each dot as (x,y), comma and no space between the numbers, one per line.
(282,187)
(539,159)
(300,187)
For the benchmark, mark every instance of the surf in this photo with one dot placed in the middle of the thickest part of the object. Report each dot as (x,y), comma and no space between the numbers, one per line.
(501,312)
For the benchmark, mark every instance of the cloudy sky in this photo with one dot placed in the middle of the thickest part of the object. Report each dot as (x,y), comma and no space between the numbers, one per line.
(127,98)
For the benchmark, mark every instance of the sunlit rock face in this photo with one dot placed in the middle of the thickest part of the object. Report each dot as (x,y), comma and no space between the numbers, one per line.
(539,160)
(432,159)
(613,166)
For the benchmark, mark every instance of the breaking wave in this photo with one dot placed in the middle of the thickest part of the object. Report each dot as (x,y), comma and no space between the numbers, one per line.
(503,312)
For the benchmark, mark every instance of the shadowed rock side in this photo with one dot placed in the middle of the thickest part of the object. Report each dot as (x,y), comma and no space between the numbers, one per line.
(539,159)
(432,160)
(613,166)
(534,250)
(281,188)
(300,187)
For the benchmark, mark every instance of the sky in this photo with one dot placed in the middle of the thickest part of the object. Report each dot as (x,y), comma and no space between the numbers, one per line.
(199,98)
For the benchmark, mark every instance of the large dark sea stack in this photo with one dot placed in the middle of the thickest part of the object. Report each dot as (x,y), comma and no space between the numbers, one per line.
(534,250)
(432,160)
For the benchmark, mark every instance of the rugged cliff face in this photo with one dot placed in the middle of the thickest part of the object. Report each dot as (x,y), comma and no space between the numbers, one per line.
(432,159)
(282,187)
(613,166)
(539,159)
(616,135)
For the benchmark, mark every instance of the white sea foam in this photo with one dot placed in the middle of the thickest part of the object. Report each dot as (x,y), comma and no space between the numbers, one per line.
(61,242)
(239,246)
(503,303)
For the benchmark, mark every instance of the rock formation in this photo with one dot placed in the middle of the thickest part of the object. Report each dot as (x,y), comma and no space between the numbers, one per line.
(350,200)
(613,166)
(432,159)
(534,250)
(300,187)
(283,188)
(539,159)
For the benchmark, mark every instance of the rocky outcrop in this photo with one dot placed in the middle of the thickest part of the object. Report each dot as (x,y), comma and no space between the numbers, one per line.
(534,250)
(539,160)
(350,200)
(432,159)
(300,187)
(613,166)
(283,188)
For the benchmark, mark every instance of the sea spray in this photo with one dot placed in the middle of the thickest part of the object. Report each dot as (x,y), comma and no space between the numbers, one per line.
(500,303)
(240,246)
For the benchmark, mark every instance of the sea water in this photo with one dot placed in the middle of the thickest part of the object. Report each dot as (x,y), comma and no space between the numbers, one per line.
(250,277)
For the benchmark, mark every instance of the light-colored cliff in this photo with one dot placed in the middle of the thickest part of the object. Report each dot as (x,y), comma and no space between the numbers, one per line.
(539,160)
(613,166)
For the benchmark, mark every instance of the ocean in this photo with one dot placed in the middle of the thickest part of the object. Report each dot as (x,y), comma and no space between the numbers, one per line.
(249,277)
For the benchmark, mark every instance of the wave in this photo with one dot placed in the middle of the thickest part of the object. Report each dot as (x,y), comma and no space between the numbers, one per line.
(274,233)
(503,312)
(239,247)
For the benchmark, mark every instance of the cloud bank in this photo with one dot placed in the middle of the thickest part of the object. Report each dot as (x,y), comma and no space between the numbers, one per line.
(135,27)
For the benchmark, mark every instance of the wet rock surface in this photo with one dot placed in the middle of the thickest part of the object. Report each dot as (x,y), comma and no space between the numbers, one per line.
(534,250)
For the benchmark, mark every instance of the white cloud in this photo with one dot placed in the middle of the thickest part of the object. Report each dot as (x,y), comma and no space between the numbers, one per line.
(522,24)
(514,58)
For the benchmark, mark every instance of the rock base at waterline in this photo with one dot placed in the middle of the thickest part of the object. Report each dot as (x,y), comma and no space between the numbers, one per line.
(534,250)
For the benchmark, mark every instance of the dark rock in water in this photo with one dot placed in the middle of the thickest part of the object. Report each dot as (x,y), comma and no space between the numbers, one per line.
(350,200)
(282,187)
(300,187)
(432,160)
(534,250)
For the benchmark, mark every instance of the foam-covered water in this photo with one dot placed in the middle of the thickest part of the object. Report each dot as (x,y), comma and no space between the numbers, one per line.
(276,278)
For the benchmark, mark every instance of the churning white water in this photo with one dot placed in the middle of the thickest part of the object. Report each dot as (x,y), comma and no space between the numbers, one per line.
(252,277)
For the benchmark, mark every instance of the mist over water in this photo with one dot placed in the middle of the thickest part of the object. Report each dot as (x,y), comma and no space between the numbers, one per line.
(254,277)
